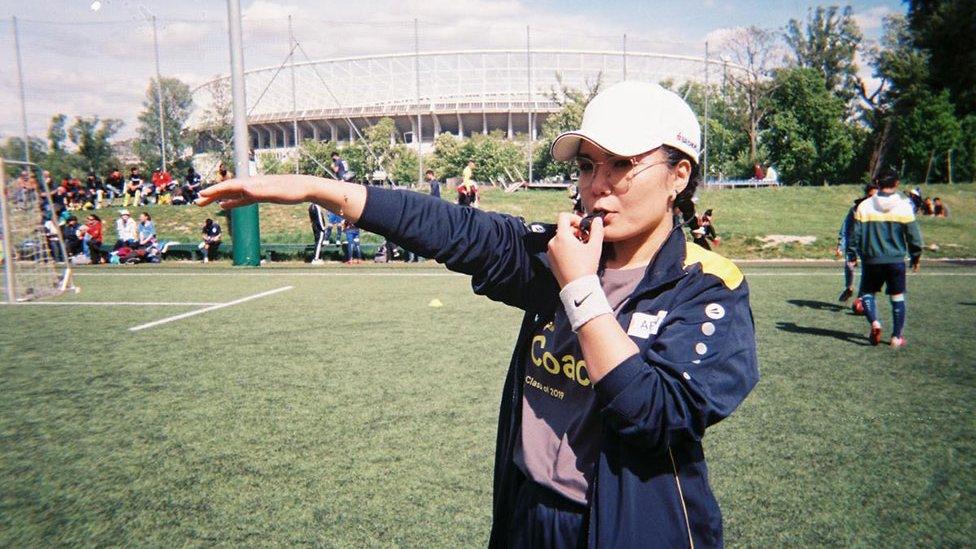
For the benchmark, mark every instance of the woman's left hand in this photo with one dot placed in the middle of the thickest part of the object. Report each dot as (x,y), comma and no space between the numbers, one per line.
(569,256)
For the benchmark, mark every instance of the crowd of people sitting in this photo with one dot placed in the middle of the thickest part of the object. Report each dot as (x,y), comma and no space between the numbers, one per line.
(928,205)
(95,192)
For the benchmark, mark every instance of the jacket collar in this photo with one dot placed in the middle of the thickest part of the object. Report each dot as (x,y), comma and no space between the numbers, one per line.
(667,264)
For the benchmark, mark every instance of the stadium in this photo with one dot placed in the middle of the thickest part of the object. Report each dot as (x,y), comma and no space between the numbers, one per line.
(429,93)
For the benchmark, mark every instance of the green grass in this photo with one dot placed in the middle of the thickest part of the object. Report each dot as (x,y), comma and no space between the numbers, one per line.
(346,412)
(743,216)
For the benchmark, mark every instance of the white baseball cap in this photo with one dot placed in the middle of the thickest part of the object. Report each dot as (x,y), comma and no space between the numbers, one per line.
(631,118)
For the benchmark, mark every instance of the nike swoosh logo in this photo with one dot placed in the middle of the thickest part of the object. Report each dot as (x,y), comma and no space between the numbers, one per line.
(580,301)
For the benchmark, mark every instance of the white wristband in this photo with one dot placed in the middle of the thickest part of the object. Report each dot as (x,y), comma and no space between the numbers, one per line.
(584,300)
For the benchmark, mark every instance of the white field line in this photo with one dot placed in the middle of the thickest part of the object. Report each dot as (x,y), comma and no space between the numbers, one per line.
(121,303)
(747,273)
(208,309)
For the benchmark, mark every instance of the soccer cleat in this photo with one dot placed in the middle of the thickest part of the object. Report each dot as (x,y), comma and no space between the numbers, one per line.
(845,295)
(858,307)
(875,335)
(897,342)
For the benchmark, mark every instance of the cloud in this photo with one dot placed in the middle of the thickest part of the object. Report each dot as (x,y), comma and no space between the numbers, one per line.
(871,19)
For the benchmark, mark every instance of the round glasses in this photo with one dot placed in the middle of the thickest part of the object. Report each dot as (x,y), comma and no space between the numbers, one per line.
(619,171)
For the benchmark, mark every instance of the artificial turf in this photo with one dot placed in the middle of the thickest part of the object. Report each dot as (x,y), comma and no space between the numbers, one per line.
(348,412)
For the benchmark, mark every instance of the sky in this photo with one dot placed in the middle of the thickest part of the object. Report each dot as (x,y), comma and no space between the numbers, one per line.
(85,62)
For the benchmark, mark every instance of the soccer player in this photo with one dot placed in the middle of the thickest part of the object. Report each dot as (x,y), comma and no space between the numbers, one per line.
(885,231)
(624,358)
(846,231)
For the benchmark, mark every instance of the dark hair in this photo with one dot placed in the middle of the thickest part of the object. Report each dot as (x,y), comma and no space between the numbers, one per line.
(708,212)
(95,217)
(148,217)
(936,198)
(887,179)
(208,222)
(683,201)
(335,153)
(870,187)
(431,172)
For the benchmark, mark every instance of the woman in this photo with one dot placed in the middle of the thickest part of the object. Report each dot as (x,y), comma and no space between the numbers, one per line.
(633,341)
(93,240)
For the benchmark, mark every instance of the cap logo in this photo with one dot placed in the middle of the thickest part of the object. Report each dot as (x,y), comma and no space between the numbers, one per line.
(687,141)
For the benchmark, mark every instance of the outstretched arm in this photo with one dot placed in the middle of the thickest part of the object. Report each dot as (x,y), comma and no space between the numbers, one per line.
(346,199)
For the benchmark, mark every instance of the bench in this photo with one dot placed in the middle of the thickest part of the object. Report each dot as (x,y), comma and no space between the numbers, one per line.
(270,252)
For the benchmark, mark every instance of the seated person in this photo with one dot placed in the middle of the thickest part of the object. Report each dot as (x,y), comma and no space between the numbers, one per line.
(211,240)
(71,239)
(147,231)
(938,208)
(127,230)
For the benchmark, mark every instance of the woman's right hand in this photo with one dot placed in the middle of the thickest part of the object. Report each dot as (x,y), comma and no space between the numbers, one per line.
(275,189)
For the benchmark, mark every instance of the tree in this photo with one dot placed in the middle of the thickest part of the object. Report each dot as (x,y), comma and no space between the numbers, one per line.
(806,135)
(946,30)
(492,154)
(177,105)
(13,149)
(728,145)
(216,130)
(753,48)
(315,157)
(91,137)
(828,43)
(59,161)
(572,103)
(927,132)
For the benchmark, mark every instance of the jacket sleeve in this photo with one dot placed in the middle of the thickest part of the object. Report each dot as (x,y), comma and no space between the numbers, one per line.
(913,237)
(685,380)
(845,228)
(499,251)
(854,242)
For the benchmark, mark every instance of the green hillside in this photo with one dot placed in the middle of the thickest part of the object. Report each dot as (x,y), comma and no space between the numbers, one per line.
(743,217)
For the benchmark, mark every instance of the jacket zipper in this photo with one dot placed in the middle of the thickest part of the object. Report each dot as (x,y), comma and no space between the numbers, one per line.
(681,496)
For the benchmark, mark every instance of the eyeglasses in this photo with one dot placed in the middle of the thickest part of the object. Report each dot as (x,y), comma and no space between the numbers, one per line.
(619,173)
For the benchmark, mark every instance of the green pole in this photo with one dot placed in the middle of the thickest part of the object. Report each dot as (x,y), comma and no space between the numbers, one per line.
(244,224)
(245,234)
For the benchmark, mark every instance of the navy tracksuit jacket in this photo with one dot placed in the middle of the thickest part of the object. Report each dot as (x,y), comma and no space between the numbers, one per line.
(689,316)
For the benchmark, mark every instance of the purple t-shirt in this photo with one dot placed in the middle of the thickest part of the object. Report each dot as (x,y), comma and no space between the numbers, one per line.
(560,436)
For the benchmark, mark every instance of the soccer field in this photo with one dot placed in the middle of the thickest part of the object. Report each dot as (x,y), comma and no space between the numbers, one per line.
(182,405)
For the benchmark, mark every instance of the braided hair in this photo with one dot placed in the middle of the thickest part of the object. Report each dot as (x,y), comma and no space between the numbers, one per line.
(684,201)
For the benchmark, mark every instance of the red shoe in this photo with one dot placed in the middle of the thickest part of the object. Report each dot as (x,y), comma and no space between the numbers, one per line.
(897,342)
(875,335)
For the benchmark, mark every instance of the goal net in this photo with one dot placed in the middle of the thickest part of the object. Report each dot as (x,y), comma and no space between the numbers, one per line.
(35,261)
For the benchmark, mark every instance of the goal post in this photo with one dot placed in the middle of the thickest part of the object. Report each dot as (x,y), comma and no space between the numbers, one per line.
(31,242)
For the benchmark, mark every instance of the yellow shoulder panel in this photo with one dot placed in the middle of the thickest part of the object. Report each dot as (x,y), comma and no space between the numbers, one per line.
(713,264)
(868,217)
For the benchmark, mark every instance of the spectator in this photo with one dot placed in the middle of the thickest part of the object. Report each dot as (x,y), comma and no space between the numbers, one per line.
(59,197)
(335,222)
(133,188)
(771,174)
(574,196)
(705,231)
(114,185)
(127,231)
(163,183)
(938,208)
(927,207)
(435,185)
(353,252)
(52,233)
(178,195)
(147,231)
(341,168)
(20,193)
(915,195)
(92,240)
(757,172)
(191,185)
(149,190)
(223,174)
(71,240)
(211,240)
(316,215)
(468,189)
